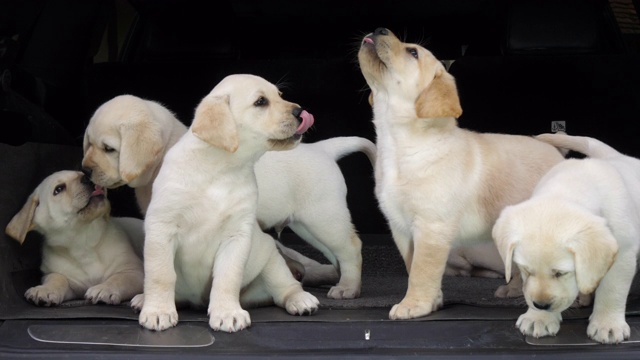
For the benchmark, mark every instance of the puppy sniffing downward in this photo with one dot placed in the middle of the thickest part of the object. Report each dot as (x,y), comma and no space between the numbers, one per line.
(203,245)
(579,233)
(86,253)
(439,186)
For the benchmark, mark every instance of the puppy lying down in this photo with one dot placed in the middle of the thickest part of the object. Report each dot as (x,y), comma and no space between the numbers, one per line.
(86,253)
(579,233)
(203,245)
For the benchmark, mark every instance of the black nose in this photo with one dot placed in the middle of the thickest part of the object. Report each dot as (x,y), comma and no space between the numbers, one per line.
(540,306)
(296,112)
(381,31)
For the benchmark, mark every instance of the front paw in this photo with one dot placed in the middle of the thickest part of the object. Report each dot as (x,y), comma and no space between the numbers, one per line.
(104,294)
(409,309)
(301,303)
(539,323)
(137,302)
(612,329)
(44,296)
(159,317)
(229,320)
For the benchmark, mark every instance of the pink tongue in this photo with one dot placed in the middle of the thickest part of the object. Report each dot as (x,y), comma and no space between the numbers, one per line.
(98,190)
(368,40)
(307,122)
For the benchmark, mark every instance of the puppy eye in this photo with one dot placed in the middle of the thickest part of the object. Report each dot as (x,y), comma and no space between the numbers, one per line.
(558,274)
(58,189)
(108,149)
(413,52)
(262,101)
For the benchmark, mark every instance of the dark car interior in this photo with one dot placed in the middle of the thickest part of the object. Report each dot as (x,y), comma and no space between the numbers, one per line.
(521,67)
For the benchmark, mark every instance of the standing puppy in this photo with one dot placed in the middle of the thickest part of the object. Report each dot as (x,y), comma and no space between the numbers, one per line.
(438,185)
(203,245)
(579,233)
(86,254)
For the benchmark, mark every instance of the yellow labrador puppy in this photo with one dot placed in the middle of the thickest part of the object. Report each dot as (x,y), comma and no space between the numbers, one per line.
(578,233)
(203,244)
(439,186)
(86,254)
(302,188)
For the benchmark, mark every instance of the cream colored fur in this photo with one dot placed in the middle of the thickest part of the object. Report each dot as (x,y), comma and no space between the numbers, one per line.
(440,187)
(203,245)
(302,188)
(579,233)
(86,254)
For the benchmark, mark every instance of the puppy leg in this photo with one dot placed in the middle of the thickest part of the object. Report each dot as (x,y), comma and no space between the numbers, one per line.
(511,290)
(431,248)
(342,246)
(54,290)
(118,287)
(539,323)
(225,312)
(159,308)
(285,291)
(607,323)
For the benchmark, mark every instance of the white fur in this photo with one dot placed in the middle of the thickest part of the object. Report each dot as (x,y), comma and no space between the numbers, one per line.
(203,245)
(439,186)
(302,188)
(86,254)
(578,233)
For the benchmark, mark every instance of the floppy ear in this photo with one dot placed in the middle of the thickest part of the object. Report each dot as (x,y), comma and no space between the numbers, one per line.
(506,240)
(440,99)
(141,144)
(214,123)
(594,249)
(371,99)
(22,222)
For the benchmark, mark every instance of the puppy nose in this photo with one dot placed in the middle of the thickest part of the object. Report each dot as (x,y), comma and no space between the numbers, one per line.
(381,31)
(542,306)
(296,112)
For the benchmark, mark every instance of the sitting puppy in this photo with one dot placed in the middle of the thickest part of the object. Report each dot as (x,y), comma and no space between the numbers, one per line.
(439,186)
(86,253)
(578,233)
(203,243)
(302,188)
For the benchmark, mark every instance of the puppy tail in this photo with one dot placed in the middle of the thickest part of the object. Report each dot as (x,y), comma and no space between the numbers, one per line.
(586,145)
(340,146)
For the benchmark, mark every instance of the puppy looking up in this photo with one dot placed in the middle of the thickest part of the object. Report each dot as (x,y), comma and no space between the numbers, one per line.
(578,233)
(86,254)
(203,245)
(439,186)
(302,188)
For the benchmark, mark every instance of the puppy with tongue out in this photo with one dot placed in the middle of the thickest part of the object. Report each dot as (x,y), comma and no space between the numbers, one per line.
(203,246)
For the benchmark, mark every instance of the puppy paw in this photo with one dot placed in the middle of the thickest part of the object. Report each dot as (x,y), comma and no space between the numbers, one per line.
(229,320)
(506,291)
(409,309)
(538,323)
(137,302)
(159,317)
(343,292)
(301,303)
(612,329)
(102,293)
(43,296)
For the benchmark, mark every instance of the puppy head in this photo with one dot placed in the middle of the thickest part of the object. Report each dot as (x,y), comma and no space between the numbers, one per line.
(122,142)
(248,109)
(59,202)
(409,76)
(560,250)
